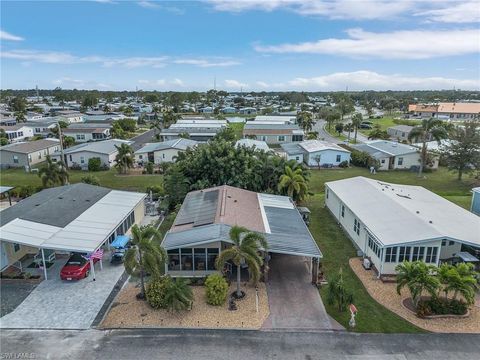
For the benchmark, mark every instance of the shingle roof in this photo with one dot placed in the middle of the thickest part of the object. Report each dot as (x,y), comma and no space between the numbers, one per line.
(30,146)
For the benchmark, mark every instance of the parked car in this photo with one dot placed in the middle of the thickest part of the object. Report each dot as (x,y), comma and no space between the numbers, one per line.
(76,268)
(365,126)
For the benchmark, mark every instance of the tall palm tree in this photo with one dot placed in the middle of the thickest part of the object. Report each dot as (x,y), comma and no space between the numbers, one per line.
(417,277)
(124,158)
(348,128)
(357,119)
(293,183)
(429,129)
(245,249)
(305,120)
(53,173)
(461,280)
(146,255)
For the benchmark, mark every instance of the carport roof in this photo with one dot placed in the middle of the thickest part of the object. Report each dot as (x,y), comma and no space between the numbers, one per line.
(87,228)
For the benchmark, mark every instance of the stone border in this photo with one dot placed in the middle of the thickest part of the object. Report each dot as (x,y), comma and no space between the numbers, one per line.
(446,316)
(23,281)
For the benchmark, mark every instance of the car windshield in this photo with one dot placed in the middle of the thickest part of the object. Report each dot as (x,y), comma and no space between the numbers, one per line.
(76,259)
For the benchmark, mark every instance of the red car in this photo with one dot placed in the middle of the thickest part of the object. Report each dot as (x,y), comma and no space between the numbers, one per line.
(76,268)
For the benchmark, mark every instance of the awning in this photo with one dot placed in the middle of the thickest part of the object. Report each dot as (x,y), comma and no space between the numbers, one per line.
(120,241)
(465,256)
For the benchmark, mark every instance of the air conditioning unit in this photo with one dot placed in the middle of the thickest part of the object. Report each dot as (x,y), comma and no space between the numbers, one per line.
(367,264)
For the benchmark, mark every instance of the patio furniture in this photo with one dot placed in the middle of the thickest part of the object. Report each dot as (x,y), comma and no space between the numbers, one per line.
(49,257)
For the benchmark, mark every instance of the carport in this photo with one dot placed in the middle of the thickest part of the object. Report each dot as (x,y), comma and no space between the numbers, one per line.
(74,218)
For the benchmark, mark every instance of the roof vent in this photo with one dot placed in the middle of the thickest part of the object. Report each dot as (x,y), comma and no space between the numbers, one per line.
(431,222)
(418,212)
(60,197)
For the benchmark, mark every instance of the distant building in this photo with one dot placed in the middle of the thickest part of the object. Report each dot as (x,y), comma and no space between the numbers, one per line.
(165,151)
(250,143)
(198,130)
(316,153)
(454,111)
(229,110)
(279,119)
(83,134)
(247,111)
(70,116)
(17,132)
(399,132)
(273,133)
(27,154)
(80,154)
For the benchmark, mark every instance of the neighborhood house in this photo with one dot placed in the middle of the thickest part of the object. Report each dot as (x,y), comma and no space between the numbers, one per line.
(26,154)
(273,133)
(316,153)
(166,151)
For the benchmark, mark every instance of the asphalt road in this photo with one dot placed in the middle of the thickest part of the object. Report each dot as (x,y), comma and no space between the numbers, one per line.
(233,345)
(142,139)
(322,134)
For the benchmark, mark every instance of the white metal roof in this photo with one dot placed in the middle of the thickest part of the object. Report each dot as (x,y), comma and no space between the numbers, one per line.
(84,234)
(318,145)
(259,145)
(398,214)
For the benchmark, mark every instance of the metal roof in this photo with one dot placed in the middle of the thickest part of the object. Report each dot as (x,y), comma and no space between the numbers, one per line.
(84,233)
(398,214)
(312,146)
(4,189)
(259,145)
(30,146)
(253,125)
(292,148)
(390,148)
(466,256)
(179,144)
(101,147)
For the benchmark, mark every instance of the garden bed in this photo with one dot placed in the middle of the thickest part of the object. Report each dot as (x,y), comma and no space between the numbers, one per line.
(408,304)
(386,294)
(128,312)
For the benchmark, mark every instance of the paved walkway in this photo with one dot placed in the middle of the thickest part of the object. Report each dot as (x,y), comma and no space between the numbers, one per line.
(294,302)
(57,304)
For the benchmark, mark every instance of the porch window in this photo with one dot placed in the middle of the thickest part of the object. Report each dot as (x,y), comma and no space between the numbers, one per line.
(431,255)
(404,253)
(16,247)
(418,253)
(356,226)
(187,259)
(200,258)
(281,138)
(391,254)
(173,259)
(212,255)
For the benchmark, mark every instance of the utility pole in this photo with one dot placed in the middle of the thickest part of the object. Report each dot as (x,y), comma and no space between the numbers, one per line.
(60,137)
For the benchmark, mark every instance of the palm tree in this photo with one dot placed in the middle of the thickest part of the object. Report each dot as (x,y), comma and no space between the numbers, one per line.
(461,280)
(429,129)
(305,120)
(293,183)
(417,277)
(106,108)
(145,255)
(245,250)
(348,128)
(178,295)
(338,292)
(357,119)
(124,158)
(53,173)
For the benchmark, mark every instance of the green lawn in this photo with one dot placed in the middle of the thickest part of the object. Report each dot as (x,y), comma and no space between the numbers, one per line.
(337,248)
(238,128)
(385,122)
(110,179)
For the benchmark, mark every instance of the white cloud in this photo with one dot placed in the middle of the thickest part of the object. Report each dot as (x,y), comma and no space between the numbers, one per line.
(262,84)
(405,44)
(337,9)
(161,83)
(370,80)
(177,82)
(234,84)
(148,4)
(454,12)
(78,83)
(9,37)
(206,63)
(105,1)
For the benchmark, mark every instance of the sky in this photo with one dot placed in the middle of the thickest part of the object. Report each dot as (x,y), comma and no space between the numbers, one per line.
(240,45)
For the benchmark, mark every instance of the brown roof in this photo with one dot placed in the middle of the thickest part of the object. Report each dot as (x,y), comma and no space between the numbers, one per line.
(423,108)
(235,207)
(84,130)
(31,146)
(459,108)
(12,127)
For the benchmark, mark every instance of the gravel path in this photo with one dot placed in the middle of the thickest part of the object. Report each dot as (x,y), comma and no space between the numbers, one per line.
(128,312)
(386,294)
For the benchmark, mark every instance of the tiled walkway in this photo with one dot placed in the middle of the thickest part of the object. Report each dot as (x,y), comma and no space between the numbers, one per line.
(294,302)
(57,304)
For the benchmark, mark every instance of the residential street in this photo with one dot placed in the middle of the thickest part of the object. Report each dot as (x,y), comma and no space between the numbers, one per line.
(232,345)
(322,134)
(142,139)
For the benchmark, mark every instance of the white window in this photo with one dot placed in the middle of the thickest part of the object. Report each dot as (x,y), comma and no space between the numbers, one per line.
(281,138)
(431,255)
(400,161)
(383,161)
(263,138)
(391,254)
(70,157)
(404,253)
(418,253)
(82,160)
(450,243)
(343,210)
(15,159)
(297,158)
(16,247)
(339,158)
(29,157)
(327,193)
(356,226)
(163,156)
(444,242)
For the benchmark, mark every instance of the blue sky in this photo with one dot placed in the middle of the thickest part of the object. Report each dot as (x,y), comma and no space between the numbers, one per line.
(319,45)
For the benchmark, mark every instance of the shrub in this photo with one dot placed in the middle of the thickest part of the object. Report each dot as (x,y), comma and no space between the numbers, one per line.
(156,290)
(94,164)
(216,289)
(90,179)
(149,168)
(156,190)
(178,295)
(343,164)
(75,166)
(441,306)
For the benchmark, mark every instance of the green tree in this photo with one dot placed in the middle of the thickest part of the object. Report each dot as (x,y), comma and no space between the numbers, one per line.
(305,120)
(94,164)
(127,124)
(338,293)
(418,278)
(151,98)
(117,132)
(462,153)
(124,158)
(459,279)
(429,129)
(216,289)
(178,295)
(339,128)
(170,118)
(245,249)
(227,134)
(90,100)
(357,119)
(146,256)
(344,106)
(18,104)
(293,184)
(53,173)
(68,141)
(378,133)
(176,186)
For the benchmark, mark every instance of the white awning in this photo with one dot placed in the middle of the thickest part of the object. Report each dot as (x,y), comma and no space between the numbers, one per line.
(84,234)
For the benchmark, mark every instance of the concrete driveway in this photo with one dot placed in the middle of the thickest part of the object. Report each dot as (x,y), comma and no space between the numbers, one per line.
(294,302)
(57,304)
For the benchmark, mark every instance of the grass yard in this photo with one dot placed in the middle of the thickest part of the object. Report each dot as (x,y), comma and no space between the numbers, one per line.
(238,128)
(337,248)
(110,179)
(385,122)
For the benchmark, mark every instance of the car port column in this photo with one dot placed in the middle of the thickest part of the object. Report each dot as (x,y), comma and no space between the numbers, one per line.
(92,267)
(315,264)
(44,265)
